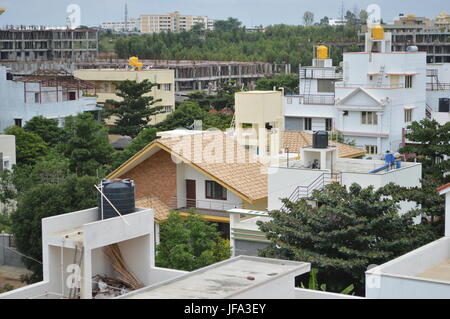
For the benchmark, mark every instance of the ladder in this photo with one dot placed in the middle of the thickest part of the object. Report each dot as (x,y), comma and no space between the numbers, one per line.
(381,76)
(74,291)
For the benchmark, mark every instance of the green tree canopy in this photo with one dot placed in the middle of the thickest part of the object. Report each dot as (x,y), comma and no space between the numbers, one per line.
(139,142)
(287,81)
(190,244)
(86,145)
(45,200)
(432,145)
(347,231)
(47,129)
(29,146)
(134,112)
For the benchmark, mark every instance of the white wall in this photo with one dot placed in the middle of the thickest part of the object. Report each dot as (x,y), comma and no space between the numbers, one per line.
(13,104)
(8,148)
(283,182)
(185,172)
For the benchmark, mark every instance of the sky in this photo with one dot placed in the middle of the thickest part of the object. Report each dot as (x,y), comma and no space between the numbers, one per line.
(250,12)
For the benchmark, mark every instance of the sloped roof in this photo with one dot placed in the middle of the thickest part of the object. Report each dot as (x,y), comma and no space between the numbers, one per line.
(294,140)
(444,189)
(217,156)
(161,210)
(354,93)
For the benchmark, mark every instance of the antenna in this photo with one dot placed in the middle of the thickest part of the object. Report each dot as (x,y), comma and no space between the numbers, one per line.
(126,17)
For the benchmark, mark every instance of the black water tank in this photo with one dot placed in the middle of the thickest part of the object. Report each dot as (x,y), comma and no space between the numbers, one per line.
(121,194)
(320,139)
(444,105)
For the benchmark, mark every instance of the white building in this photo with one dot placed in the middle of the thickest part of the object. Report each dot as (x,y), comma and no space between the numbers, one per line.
(174,22)
(421,273)
(7,152)
(73,246)
(335,22)
(382,92)
(44,93)
(313,109)
(120,26)
(438,91)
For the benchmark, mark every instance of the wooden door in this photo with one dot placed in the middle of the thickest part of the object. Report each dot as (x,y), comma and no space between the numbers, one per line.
(190,193)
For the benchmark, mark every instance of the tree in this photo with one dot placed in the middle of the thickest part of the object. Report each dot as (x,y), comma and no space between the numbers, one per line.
(47,129)
(348,230)
(139,142)
(229,25)
(432,145)
(308,18)
(133,114)
(45,200)
(29,146)
(86,145)
(363,16)
(287,81)
(325,21)
(190,244)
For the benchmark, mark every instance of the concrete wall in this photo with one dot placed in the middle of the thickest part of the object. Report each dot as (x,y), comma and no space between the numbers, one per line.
(13,104)
(283,181)
(8,148)
(300,293)
(9,256)
(396,278)
(247,248)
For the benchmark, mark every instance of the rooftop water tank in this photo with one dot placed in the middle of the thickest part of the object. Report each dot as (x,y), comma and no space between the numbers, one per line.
(378,33)
(320,139)
(121,194)
(412,48)
(322,52)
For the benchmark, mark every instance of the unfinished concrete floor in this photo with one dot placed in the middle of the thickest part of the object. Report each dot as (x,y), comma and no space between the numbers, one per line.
(11,276)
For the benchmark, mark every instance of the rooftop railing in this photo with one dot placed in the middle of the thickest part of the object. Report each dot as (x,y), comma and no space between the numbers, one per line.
(344,84)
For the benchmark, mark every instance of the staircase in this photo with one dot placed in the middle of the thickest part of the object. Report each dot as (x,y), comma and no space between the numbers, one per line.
(381,76)
(318,184)
(428,111)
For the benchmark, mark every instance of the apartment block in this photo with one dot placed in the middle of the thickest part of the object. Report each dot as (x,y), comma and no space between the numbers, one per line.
(174,22)
(122,26)
(42,44)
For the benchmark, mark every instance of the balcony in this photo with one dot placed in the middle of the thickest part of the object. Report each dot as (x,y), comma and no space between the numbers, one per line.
(344,84)
(317,99)
(438,86)
(319,73)
(216,208)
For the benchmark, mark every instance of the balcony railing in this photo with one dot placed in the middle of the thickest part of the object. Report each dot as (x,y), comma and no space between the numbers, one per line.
(369,85)
(317,99)
(210,205)
(313,73)
(438,86)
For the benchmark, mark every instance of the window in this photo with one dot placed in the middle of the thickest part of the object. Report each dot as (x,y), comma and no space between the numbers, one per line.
(408,81)
(328,124)
(167,87)
(289,100)
(371,149)
(308,124)
(18,122)
(36,98)
(408,116)
(369,118)
(168,109)
(325,86)
(215,191)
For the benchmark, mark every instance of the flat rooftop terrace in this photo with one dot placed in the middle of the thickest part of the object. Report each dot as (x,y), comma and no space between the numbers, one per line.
(439,272)
(222,280)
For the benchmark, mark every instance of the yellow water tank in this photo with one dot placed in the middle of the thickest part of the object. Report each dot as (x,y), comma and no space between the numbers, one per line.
(322,52)
(410,16)
(378,33)
(2,10)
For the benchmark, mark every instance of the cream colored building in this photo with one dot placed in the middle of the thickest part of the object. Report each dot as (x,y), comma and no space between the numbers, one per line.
(442,20)
(260,116)
(174,22)
(106,81)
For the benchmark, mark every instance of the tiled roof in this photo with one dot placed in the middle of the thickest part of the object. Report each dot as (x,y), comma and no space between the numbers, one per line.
(220,157)
(440,189)
(161,210)
(294,140)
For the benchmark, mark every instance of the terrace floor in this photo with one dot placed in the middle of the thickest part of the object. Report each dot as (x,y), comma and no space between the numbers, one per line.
(438,272)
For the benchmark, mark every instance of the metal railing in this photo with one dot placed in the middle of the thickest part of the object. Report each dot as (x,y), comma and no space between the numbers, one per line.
(317,99)
(312,73)
(186,203)
(438,86)
(344,84)
(318,184)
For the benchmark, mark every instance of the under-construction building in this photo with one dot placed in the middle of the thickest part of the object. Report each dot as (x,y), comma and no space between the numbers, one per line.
(25,43)
(431,39)
(189,75)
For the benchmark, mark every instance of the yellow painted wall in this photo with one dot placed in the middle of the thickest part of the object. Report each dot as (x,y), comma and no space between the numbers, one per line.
(107,79)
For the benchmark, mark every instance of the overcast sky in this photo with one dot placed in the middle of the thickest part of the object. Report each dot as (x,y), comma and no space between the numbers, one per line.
(250,12)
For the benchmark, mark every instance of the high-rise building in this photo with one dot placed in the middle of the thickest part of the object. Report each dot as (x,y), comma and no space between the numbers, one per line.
(174,22)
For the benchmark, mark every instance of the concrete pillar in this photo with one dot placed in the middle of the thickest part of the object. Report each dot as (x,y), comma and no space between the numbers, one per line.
(447,214)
